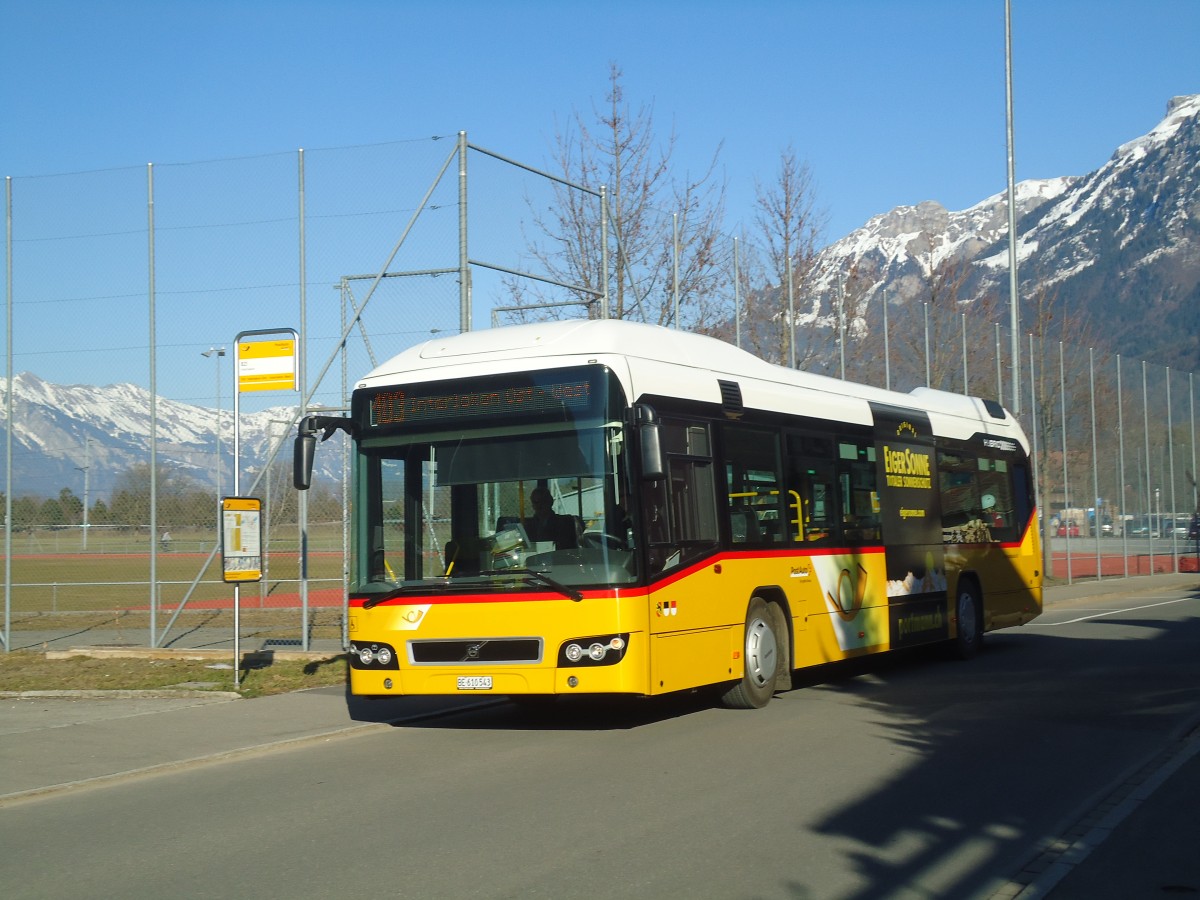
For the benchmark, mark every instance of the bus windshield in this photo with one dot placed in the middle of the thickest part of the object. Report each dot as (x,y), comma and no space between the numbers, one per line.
(529,498)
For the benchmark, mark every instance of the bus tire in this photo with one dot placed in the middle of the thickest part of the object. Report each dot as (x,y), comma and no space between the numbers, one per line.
(761,649)
(968,616)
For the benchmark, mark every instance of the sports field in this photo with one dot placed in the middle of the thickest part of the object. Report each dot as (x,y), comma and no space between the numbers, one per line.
(60,591)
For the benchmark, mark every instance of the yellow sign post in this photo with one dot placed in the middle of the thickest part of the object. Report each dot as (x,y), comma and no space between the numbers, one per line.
(264,360)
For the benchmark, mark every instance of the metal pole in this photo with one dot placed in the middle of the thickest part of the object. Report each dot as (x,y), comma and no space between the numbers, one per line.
(217,366)
(1095,461)
(1039,486)
(928,376)
(87,483)
(791,317)
(675,266)
(1014,308)
(966,376)
(464,266)
(842,325)
(1149,473)
(153,415)
(1171,470)
(737,298)
(345,396)
(1121,455)
(302,373)
(215,354)
(1195,476)
(1192,407)
(264,582)
(999,369)
(6,637)
(604,251)
(887,354)
(1062,394)
(237,492)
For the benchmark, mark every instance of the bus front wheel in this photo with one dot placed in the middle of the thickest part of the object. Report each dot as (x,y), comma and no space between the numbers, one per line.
(968,612)
(763,644)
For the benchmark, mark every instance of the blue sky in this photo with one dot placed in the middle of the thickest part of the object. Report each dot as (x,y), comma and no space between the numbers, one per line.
(889,103)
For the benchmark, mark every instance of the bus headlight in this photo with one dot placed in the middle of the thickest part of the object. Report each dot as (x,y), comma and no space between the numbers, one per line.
(602,650)
(372,656)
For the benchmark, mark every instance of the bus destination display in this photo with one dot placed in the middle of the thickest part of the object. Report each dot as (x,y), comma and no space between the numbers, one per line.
(408,406)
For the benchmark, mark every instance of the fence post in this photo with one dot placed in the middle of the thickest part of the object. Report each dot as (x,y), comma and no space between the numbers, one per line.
(1150,518)
(1121,470)
(1095,462)
(464,265)
(6,637)
(153,410)
(604,250)
(1171,470)
(737,298)
(1062,389)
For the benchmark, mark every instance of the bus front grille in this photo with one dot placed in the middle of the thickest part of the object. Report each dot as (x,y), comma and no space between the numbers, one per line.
(475,650)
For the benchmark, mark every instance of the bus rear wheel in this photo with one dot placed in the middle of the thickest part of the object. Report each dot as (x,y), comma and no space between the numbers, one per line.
(761,651)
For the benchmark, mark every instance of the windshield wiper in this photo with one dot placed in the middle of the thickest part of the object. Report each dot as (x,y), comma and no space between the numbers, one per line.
(541,577)
(398,592)
(425,586)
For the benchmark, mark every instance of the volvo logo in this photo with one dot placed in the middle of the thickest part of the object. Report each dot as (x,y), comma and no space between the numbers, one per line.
(473,651)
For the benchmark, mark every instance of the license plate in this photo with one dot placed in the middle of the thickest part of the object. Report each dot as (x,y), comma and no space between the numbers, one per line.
(474,682)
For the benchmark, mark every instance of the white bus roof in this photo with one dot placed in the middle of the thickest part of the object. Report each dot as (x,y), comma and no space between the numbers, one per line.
(650,360)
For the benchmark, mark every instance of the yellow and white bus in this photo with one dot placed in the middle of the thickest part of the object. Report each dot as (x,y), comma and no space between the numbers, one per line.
(713,519)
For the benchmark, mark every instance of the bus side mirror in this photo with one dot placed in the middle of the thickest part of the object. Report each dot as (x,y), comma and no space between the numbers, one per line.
(306,444)
(302,460)
(650,440)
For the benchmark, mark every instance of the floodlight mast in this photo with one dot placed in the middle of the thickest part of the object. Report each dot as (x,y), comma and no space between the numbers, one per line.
(1014,309)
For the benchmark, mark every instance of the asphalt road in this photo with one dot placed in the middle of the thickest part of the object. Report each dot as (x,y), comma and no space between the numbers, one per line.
(908,777)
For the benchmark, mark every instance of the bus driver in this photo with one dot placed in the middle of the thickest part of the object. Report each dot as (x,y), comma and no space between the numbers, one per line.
(547,525)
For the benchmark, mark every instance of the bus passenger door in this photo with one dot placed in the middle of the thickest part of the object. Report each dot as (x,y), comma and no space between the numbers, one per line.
(911,523)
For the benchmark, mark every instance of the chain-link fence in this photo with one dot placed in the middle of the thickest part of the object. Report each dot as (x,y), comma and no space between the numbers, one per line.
(126,289)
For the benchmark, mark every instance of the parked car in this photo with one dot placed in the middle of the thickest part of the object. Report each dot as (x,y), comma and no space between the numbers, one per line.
(1068,529)
(1143,529)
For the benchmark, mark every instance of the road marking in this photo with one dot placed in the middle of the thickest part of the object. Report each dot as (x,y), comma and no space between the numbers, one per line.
(1111,612)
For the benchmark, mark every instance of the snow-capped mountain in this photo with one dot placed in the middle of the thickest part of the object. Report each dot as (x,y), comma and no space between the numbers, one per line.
(63,430)
(1120,245)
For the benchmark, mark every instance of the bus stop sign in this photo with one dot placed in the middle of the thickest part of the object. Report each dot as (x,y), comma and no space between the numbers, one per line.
(241,539)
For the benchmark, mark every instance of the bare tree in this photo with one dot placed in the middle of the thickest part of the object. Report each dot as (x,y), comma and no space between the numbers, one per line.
(927,335)
(863,350)
(648,206)
(790,224)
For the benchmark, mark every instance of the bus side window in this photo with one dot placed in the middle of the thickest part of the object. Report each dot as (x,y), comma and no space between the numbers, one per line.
(998,504)
(981,503)
(961,503)
(755,485)
(859,493)
(692,495)
(811,505)
(680,510)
